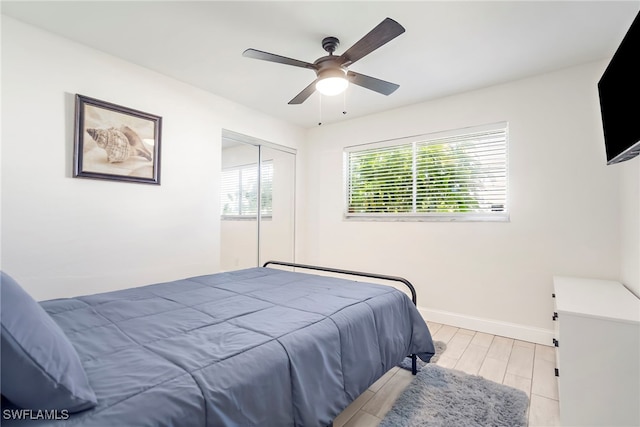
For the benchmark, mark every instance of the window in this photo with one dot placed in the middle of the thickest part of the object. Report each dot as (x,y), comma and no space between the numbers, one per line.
(239,191)
(459,175)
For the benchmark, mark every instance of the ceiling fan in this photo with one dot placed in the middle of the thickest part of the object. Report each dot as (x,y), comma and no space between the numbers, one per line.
(332,71)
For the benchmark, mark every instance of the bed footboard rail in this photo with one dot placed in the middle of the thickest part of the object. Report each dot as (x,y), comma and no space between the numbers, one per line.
(414,297)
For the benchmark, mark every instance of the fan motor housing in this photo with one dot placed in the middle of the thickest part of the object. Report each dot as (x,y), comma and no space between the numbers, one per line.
(330,66)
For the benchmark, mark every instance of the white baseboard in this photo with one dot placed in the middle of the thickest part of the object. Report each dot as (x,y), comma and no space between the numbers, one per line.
(489,326)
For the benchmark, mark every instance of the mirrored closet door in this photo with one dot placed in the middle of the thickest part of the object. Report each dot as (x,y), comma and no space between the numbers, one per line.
(257,202)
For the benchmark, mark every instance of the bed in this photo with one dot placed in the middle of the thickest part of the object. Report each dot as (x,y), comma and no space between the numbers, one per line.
(256,347)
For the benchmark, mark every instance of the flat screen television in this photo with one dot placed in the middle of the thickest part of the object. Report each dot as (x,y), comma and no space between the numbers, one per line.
(619,91)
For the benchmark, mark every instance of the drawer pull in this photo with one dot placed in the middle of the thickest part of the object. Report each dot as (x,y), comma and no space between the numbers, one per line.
(555,342)
(557,372)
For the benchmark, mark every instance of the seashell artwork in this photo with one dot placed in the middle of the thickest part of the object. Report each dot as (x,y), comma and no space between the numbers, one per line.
(136,143)
(120,144)
(114,142)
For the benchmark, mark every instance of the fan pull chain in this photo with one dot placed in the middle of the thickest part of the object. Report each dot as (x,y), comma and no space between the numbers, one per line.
(344,102)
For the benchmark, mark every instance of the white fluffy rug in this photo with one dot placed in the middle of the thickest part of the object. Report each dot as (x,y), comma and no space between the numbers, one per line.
(443,397)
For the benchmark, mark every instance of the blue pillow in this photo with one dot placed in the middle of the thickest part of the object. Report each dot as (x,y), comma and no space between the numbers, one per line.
(40,367)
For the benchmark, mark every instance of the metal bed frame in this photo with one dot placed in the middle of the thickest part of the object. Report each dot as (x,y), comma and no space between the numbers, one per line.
(414,298)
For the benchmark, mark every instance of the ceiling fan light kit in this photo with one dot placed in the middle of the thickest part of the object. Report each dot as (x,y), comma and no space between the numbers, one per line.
(332,82)
(332,73)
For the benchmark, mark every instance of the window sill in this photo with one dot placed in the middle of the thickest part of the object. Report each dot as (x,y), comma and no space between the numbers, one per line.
(493,217)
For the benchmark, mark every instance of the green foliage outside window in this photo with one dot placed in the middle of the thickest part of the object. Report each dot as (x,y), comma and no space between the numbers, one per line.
(444,179)
(383,181)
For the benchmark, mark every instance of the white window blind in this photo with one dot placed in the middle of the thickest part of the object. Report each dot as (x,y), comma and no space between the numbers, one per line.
(458,175)
(239,190)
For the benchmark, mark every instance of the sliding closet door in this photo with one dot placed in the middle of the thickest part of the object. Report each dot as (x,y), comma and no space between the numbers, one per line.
(276,226)
(257,202)
(239,205)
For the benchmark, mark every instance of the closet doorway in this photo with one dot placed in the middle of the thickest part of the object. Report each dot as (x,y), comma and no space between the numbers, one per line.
(257,202)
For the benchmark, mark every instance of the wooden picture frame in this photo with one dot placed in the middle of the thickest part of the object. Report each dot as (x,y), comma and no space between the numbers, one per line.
(116,143)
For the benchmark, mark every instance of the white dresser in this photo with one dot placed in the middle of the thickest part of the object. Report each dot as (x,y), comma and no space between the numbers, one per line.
(598,352)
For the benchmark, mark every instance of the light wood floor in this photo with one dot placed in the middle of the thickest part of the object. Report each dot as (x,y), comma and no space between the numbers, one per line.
(519,364)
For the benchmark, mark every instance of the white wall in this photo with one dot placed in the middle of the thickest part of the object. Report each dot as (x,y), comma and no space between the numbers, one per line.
(630,224)
(564,206)
(64,236)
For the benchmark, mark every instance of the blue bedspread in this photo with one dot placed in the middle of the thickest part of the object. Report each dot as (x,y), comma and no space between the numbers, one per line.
(256,347)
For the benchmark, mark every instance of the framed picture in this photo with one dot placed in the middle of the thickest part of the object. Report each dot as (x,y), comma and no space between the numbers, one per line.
(115,142)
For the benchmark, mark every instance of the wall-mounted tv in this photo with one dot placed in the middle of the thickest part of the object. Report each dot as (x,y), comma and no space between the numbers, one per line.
(619,90)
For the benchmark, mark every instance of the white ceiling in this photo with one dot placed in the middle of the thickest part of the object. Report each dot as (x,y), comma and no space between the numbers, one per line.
(448,47)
